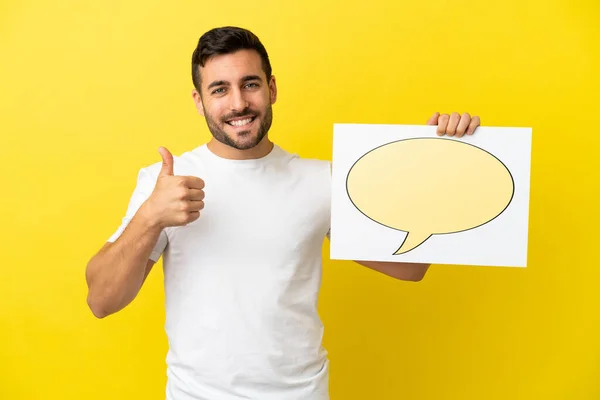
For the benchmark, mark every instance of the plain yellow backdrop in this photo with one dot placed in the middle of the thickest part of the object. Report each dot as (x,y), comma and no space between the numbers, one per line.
(90,90)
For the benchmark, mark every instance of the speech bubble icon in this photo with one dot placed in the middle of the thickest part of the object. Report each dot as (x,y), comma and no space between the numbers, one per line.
(428,186)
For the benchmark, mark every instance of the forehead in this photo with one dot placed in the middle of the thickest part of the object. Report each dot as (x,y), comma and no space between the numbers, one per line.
(232,67)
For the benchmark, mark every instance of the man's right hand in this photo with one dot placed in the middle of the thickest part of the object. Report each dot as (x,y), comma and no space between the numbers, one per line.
(175,200)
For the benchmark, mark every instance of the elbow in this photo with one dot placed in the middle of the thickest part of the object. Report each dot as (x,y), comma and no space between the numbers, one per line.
(414,274)
(100,314)
(98,310)
(96,299)
(413,278)
(102,303)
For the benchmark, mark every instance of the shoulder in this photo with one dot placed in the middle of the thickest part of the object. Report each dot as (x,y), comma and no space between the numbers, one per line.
(307,164)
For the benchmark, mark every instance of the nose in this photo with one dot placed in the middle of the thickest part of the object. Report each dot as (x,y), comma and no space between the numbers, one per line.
(238,101)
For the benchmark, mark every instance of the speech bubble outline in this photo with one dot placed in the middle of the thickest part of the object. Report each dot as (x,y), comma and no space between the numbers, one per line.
(416,237)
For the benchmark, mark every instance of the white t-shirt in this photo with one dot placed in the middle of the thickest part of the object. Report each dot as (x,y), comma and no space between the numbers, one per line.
(242,281)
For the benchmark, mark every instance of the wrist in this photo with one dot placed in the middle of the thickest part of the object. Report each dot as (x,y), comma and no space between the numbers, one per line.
(148,218)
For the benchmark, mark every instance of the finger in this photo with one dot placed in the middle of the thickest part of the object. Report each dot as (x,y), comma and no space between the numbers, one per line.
(195,205)
(434,119)
(452,124)
(442,124)
(194,194)
(475,122)
(193,215)
(167,164)
(193,182)
(463,124)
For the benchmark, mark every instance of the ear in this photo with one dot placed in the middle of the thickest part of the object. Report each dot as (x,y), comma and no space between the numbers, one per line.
(273,89)
(198,102)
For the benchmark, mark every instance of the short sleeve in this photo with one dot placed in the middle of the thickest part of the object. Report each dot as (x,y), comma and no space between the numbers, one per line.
(330,167)
(143,189)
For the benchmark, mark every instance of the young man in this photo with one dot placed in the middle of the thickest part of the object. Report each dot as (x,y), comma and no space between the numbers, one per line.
(240,224)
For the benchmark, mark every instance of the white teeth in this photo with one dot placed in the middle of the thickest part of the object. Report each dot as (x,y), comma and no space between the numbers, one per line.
(241,122)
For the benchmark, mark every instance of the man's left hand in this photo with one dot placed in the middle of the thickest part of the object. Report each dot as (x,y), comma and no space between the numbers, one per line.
(454,124)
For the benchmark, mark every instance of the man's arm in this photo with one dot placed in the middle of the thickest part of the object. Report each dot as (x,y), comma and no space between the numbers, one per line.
(117,272)
(413,272)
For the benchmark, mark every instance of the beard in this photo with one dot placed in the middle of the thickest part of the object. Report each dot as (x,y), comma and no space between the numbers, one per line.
(247,141)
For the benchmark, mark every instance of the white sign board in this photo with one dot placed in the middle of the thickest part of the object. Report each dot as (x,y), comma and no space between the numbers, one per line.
(403,193)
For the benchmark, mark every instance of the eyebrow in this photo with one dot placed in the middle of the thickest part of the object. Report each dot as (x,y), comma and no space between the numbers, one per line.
(251,78)
(225,83)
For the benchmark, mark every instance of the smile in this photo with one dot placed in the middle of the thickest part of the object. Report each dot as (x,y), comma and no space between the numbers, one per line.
(241,122)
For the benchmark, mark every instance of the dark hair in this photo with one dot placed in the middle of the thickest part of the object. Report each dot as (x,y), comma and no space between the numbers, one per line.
(226,40)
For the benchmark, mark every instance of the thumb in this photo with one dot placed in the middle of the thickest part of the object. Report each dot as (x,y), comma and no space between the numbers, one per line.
(167,164)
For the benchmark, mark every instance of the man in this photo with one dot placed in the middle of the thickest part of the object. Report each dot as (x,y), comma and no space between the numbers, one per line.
(242,265)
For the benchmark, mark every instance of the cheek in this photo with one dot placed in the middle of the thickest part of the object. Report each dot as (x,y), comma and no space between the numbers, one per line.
(213,112)
(261,102)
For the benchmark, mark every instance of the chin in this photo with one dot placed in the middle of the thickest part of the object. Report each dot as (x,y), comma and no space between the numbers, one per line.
(244,140)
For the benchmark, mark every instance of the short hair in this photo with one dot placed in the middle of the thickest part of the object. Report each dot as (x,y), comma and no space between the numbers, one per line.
(226,40)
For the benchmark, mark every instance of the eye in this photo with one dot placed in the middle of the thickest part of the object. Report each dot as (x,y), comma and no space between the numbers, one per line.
(218,91)
(252,85)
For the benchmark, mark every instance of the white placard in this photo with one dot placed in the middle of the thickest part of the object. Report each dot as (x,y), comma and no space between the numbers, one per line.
(403,193)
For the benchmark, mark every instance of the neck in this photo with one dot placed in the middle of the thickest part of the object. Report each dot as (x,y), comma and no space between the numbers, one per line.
(224,151)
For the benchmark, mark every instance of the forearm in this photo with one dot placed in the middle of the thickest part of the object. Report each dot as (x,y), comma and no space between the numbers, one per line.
(116,273)
(404,271)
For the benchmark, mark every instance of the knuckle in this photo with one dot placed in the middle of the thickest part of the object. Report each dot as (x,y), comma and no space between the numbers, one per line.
(183,206)
(182,193)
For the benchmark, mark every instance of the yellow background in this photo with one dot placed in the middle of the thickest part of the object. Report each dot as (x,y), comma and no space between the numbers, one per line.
(89,90)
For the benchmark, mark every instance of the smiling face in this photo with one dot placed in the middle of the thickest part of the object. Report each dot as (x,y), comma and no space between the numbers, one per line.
(236,99)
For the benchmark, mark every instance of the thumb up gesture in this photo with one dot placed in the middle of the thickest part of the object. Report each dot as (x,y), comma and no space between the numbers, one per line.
(175,200)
